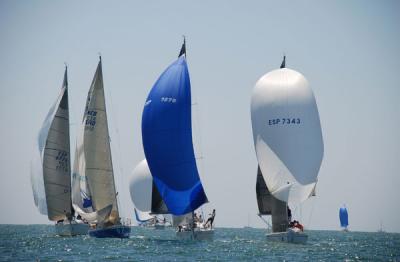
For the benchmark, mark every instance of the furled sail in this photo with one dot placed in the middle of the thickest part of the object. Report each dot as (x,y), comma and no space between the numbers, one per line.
(50,170)
(167,140)
(94,184)
(287,134)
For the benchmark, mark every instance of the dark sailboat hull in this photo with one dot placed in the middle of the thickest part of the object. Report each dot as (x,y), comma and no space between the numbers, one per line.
(118,231)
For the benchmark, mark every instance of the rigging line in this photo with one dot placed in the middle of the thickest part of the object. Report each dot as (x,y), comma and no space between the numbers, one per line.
(119,175)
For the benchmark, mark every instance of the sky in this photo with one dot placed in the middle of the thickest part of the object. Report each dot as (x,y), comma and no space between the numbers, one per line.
(348,50)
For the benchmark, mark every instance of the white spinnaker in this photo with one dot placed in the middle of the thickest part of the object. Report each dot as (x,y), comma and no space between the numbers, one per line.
(50,168)
(140,187)
(96,216)
(287,134)
(80,189)
(144,216)
(94,163)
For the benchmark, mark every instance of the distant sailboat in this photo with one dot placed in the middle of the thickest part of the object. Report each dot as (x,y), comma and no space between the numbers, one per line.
(146,198)
(51,172)
(288,144)
(95,196)
(168,146)
(344,218)
(381,230)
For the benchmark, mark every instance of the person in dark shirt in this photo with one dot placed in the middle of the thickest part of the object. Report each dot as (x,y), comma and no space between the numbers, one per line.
(210,219)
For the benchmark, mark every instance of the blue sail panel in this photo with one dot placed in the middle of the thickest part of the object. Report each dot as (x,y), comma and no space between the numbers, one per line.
(167,140)
(344,217)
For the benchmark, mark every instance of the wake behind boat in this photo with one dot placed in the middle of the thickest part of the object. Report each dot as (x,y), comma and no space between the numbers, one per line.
(168,146)
(50,170)
(289,148)
(94,194)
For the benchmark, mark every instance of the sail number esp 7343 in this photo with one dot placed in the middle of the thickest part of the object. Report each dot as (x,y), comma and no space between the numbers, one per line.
(284,121)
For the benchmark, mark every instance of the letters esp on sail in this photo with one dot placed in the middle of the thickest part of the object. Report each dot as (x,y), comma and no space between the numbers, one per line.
(287,134)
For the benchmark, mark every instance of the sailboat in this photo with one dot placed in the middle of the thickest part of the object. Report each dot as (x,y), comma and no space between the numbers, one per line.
(50,170)
(344,218)
(381,230)
(144,195)
(168,147)
(289,147)
(94,195)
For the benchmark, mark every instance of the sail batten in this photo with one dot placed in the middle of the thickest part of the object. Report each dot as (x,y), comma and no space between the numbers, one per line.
(167,140)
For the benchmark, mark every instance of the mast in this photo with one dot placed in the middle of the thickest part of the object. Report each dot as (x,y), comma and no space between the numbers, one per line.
(183,48)
(283,64)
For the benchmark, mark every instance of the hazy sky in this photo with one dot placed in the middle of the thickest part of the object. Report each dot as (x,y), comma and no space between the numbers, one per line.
(348,50)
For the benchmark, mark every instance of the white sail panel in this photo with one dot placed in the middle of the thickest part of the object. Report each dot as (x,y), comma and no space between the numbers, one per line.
(80,189)
(39,196)
(96,216)
(143,216)
(97,153)
(140,187)
(287,134)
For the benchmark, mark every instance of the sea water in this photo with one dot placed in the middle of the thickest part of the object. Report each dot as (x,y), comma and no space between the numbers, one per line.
(39,243)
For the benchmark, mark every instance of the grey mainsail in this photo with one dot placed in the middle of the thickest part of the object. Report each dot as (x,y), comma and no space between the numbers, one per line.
(50,172)
(94,169)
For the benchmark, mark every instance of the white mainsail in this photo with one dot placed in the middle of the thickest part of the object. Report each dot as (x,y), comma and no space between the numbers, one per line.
(287,134)
(93,170)
(50,168)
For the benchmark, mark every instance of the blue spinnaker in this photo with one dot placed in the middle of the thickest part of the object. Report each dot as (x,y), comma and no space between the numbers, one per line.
(344,217)
(167,140)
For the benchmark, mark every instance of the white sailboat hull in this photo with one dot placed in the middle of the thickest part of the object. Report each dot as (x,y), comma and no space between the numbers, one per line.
(290,236)
(73,229)
(197,234)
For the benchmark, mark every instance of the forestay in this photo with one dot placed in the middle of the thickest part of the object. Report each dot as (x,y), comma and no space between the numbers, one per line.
(287,134)
(167,140)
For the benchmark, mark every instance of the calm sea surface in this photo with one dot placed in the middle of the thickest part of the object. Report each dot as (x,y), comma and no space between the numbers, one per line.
(38,242)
